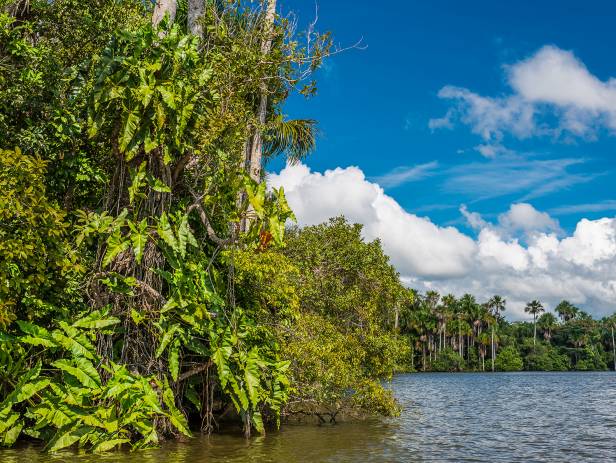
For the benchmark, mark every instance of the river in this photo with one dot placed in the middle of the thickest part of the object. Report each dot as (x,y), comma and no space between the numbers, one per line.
(459,417)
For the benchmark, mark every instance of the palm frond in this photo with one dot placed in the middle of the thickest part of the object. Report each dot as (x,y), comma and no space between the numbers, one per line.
(295,138)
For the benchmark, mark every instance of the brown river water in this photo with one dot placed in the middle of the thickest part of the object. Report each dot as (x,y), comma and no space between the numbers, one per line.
(459,417)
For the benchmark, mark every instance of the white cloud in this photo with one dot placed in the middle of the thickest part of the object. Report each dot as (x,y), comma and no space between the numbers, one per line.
(550,83)
(524,217)
(521,256)
(415,244)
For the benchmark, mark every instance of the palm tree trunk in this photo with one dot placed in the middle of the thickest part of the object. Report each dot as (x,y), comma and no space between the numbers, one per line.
(196,8)
(534,330)
(493,352)
(163,7)
(613,348)
(256,148)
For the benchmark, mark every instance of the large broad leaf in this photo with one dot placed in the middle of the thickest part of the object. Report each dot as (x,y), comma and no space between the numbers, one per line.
(185,236)
(174,360)
(65,438)
(115,245)
(139,238)
(166,233)
(28,390)
(131,125)
(82,370)
(10,437)
(38,336)
(96,320)
(79,346)
(167,338)
(110,444)
(176,417)
(251,375)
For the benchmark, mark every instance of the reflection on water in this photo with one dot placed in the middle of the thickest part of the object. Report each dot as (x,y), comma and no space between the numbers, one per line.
(447,417)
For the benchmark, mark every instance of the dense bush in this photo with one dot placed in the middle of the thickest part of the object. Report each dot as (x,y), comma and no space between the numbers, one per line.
(508,359)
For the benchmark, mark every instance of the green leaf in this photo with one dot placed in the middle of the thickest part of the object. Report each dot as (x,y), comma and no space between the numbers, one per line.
(116,244)
(78,345)
(158,185)
(110,444)
(174,360)
(10,437)
(168,96)
(167,338)
(96,320)
(139,238)
(82,370)
(128,132)
(64,438)
(176,417)
(166,233)
(137,183)
(26,391)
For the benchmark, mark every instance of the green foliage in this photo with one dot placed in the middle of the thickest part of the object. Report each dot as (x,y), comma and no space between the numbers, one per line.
(65,402)
(508,359)
(347,291)
(543,357)
(153,90)
(38,270)
(448,360)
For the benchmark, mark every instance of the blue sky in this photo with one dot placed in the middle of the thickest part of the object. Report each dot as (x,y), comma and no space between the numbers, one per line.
(475,139)
(374,105)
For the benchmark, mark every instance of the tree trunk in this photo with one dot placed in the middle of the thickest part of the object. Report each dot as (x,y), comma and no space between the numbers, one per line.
(613,348)
(493,351)
(534,331)
(196,8)
(256,148)
(396,317)
(163,7)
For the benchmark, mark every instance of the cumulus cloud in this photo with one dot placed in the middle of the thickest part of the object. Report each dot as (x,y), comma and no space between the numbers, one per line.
(416,246)
(551,83)
(523,255)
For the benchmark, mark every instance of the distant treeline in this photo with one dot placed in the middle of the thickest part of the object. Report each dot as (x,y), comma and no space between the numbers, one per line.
(462,334)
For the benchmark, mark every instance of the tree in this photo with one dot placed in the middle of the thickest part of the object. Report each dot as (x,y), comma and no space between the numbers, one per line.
(566,311)
(547,322)
(496,305)
(534,308)
(611,323)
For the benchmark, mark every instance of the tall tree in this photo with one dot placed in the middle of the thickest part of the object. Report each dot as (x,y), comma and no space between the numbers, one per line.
(496,305)
(534,308)
(256,145)
(566,311)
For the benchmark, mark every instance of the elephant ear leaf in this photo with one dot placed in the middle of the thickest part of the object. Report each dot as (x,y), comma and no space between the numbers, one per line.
(115,245)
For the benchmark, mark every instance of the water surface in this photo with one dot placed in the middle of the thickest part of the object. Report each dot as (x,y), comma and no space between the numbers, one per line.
(502,417)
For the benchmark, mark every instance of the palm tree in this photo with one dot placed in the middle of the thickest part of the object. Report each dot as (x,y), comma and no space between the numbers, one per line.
(496,305)
(566,311)
(547,322)
(534,308)
(484,341)
(609,323)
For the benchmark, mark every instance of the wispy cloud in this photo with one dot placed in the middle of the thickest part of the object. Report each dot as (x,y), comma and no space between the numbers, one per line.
(601,206)
(514,176)
(405,174)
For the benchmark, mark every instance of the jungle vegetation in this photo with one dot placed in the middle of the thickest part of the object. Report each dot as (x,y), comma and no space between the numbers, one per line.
(147,289)
(149,285)
(462,334)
